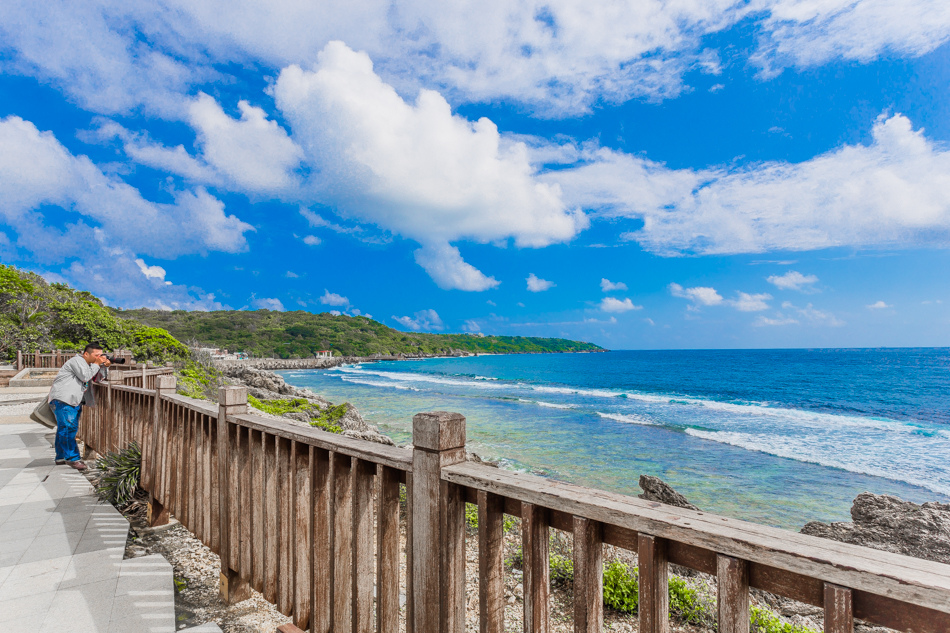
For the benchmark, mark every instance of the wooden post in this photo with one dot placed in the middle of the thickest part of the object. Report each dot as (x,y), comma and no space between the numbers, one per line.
(654,585)
(36,359)
(387,550)
(439,440)
(733,580)
(588,576)
(157,512)
(839,609)
(19,360)
(535,539)
(491,569)
(362,545)
(231,401)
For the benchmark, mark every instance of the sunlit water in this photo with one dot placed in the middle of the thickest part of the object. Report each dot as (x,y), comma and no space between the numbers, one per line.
(776,436)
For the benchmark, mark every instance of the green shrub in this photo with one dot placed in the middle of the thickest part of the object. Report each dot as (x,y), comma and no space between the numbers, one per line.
(471,516)
(197,380)
(561,570)
(325,419)
(508,522)
(119,475)
(764,621)
(689,604)
(621,587)
(328,418)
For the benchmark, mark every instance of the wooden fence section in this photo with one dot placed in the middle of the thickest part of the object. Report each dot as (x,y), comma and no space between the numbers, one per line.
(311,520)
(42,360)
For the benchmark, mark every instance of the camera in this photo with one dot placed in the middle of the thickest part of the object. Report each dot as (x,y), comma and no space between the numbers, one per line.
(115,360)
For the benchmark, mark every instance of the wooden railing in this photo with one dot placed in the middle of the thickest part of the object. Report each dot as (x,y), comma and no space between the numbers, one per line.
(311,520)
(42,360)
(139,375)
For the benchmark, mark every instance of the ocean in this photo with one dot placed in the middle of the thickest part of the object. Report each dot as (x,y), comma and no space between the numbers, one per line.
(779,437)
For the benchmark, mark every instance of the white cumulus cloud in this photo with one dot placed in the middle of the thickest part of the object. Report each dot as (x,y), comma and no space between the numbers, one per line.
(415,168)
(745,302)
(536,284)
(253,152)
(449,271)
(805,33)
(422,320)
(270,303)
(150,272)
(891,193)
(36,170)
(609,286)
(333,299)
(879,305)
(611,304)
(701,295)
(793,280)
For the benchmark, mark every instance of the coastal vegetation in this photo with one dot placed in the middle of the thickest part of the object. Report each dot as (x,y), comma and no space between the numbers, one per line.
(325,419)
(36,315)
(266,333)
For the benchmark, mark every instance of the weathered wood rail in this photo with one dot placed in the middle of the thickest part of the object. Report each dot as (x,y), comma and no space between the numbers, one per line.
(311,520)
(42,360)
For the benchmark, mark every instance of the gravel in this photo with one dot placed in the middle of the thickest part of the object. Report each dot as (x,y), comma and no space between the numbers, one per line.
(196,570)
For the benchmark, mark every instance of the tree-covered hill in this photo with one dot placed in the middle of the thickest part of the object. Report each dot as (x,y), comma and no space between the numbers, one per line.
(36,315)
(299,334)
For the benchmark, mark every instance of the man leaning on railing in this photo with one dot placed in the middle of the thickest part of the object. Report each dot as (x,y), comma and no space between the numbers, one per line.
(70,391)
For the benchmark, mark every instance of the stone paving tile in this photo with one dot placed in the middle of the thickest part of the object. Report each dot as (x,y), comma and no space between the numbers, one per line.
(25,613)
(84,608)
(92,567)
(61,551)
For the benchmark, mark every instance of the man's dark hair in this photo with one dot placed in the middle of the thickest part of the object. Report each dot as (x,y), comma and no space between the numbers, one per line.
(91,346)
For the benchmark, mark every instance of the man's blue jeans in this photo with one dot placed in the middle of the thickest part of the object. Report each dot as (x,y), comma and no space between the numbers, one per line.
(67,423)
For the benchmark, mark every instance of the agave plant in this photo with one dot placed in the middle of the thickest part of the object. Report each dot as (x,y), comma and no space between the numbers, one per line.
(119,475)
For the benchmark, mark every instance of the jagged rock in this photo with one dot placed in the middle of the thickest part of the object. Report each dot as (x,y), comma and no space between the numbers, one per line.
(299,416)
(370,436)
(887,523)
(478,459)
(351,420)
(655,489)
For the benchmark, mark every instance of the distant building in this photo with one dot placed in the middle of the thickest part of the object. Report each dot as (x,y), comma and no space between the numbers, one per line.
(324,353)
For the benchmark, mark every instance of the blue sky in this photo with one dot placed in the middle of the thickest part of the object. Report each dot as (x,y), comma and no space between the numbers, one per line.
(764,173)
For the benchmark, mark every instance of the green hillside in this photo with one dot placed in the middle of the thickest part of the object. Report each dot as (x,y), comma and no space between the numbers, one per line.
(39,316)
(300,334)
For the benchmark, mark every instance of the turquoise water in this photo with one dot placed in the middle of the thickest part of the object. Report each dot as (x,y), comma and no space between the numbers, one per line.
(774,436)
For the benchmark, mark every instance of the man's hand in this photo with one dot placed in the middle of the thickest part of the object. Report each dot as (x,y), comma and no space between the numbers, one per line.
(103,361)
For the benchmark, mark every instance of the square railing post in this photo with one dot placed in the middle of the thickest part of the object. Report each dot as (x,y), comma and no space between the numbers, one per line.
(151,453)
(231,401)
(438,524)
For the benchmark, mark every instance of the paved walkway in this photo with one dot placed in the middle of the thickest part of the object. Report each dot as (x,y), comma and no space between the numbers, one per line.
(61,551)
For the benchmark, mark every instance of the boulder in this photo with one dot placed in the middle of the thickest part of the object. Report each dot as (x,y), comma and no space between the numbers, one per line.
(655,489)
(891,524)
